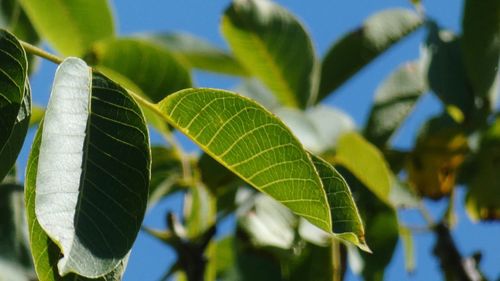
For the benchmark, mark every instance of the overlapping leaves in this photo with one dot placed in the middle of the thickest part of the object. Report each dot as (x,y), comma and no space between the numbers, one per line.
(87,177)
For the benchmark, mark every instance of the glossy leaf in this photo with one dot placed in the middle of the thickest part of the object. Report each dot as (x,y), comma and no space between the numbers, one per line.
(256,146)
(15,100)
(90,165)
(274,46)
(150,66)
(45,252)
(445,69)
(359,47)
(481,43)
(70,27)
(198,53)
(395,99)
(366,162)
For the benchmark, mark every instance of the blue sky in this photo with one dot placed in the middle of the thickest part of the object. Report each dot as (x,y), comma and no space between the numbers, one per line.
(326,21)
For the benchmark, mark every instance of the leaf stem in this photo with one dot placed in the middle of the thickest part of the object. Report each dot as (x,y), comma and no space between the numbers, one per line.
(40,52)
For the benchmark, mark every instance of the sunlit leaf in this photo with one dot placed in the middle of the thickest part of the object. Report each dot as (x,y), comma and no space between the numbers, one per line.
(366,162)
(481,43)
(198,53)
(359,47)
(15,100)
(150,66)
(274,46)
(70,27)
(395,98)
(258,147)
(89,168)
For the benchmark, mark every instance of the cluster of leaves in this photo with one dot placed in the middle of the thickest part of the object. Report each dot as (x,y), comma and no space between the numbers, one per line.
(92,173)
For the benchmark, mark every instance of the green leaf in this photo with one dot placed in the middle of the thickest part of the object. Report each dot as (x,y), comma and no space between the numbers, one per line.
(70,27)
(44,251)
(252,143)
(395,98)
(359,47)
(366,162)
(14,246)
(481,43)
(198,53)
(150,66)
(259,148)
(274,46)
(445,69)
(90,165)
(15,100)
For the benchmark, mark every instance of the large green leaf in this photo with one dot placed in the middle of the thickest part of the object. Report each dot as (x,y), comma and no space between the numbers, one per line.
(15,100)
(44,251)
(150,66)
(91,173)
(445,70)
(259,148)
(481,43)
(70,26)
(274,46)
(198,53)
(359,47)
(395,98)
(366,162)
